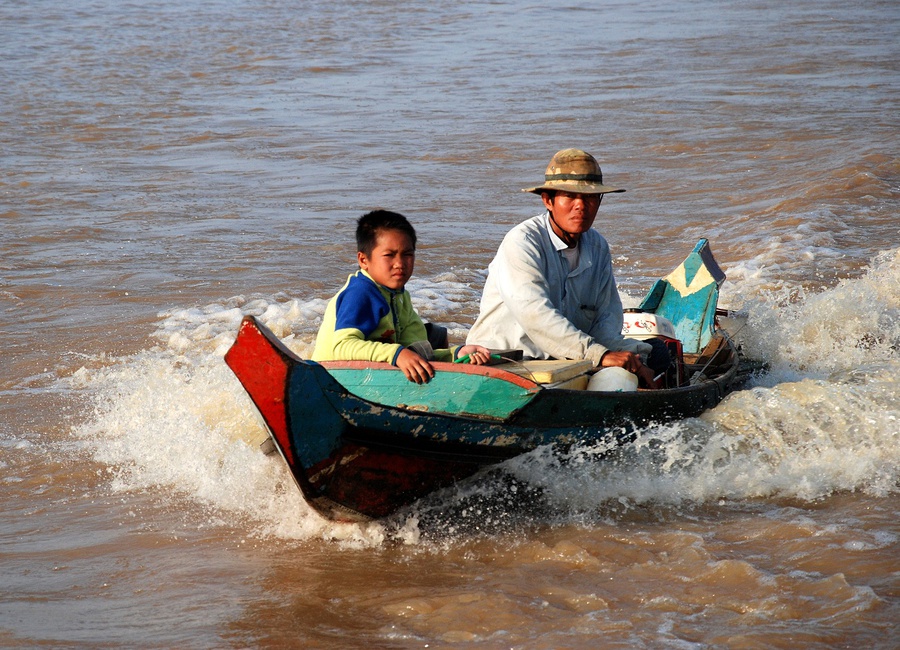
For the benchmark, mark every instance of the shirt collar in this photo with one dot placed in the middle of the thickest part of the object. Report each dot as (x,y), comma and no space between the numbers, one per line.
(379,285)
(558,243)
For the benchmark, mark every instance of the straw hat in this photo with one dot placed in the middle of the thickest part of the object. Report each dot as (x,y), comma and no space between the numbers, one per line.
(573,170)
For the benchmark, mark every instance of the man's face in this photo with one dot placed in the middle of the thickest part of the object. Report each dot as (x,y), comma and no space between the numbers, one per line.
(574,213)
(392,260)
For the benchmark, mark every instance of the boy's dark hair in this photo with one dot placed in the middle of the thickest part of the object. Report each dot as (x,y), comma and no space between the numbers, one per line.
(370,223)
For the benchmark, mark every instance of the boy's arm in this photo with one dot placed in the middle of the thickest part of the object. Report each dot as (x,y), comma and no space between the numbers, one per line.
(412,330)
(350,344)
(353,315)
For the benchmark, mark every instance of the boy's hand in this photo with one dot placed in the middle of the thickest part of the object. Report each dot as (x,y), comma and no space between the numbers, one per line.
(477,354)
(414,367)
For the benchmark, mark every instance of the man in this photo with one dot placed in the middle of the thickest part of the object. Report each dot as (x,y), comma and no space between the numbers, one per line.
(550,290)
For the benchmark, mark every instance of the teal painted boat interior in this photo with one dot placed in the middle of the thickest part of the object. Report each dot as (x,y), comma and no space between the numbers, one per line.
(688,297)
(447,392)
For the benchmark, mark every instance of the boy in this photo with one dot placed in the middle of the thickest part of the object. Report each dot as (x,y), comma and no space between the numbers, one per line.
(372,318)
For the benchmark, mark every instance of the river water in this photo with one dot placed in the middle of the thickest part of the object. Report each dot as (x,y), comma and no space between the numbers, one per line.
(167,167)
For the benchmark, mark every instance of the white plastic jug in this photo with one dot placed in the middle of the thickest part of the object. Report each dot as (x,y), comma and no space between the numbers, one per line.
(613,379)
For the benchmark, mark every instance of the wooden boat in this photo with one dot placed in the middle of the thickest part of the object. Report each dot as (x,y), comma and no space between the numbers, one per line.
(361,440)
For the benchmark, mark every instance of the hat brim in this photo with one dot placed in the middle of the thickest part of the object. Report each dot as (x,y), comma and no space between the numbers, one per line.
(576,187)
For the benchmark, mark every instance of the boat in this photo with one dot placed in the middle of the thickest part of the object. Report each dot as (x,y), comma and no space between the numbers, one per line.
(362,441)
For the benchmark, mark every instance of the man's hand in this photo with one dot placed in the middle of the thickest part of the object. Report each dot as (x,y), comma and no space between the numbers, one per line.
(414,367)
(631,362)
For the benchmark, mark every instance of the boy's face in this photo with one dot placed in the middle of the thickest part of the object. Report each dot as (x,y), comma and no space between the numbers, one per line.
(392,259)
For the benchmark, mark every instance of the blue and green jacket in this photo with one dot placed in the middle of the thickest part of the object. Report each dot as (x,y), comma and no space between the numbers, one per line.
(368,322)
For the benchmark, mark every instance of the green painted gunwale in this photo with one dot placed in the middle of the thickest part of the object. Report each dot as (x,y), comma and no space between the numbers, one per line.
(456,389)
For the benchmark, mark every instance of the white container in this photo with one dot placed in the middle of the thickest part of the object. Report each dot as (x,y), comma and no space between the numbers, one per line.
(642,325)
(613,379)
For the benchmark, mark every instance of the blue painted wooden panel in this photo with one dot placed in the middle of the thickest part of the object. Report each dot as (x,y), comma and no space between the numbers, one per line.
(688,297)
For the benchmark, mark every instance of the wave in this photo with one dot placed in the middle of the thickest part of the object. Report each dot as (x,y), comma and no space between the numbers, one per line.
(823,419)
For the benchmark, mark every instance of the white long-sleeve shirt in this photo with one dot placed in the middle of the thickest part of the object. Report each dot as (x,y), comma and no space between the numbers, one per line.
(534,302)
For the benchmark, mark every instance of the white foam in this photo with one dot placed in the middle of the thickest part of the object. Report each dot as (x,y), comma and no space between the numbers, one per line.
(824,419)
(843,329)
(173,418)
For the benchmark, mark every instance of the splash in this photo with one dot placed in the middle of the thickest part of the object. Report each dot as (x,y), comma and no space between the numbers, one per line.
(173,420)
(799,440)
(841,330)
(824,419)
